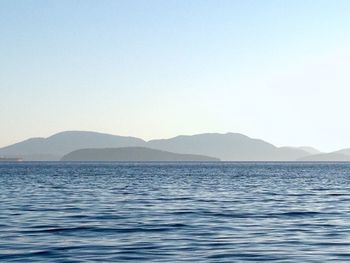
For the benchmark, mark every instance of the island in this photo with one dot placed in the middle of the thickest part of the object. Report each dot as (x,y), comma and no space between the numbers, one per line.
(133,154)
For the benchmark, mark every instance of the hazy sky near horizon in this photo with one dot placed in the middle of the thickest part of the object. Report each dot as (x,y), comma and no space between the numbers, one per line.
(276,70)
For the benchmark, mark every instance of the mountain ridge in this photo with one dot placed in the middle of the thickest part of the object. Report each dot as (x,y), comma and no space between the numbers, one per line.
(225,146)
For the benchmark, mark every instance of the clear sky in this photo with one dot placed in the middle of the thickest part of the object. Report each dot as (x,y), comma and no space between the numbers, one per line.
(276,70)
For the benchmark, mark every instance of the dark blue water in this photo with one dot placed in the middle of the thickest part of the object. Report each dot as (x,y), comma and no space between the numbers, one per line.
(199,212)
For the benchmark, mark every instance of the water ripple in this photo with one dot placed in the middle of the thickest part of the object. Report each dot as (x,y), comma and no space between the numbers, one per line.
(156,212)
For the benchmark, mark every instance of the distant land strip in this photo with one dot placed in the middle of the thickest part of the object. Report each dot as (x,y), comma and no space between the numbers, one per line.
(87,145)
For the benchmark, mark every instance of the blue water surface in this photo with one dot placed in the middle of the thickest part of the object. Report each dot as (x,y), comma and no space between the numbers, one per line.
(174,212)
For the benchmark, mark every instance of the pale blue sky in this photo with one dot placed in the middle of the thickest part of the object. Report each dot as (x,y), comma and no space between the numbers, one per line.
(276,70)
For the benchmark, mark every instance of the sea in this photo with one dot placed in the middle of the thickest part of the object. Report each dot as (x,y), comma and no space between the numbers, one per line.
(174,212)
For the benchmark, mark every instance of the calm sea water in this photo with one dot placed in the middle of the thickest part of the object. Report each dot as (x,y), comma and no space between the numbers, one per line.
(171,212)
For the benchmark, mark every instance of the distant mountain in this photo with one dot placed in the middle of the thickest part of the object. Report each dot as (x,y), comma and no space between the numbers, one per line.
(344,151)
(54,147)
(288,154)
(131,154)
(228,147)
(310,150)
(331,157)
(294,153)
